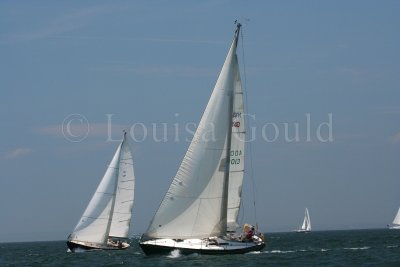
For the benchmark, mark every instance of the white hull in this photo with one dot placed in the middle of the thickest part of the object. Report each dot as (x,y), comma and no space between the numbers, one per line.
(303,231)
(74,245)
(394,227)
(202,246)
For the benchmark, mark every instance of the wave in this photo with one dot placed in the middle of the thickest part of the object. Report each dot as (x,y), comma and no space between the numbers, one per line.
(360,248)
(176,253)
(280,251)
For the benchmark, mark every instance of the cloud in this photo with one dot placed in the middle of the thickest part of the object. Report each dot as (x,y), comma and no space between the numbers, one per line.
(172,70)
(180,71)
(92,129)
(18,152)
(172,40)
(62,24)
(395,139)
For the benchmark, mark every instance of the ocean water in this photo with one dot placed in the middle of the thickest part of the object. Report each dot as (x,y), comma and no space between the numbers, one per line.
(324,248)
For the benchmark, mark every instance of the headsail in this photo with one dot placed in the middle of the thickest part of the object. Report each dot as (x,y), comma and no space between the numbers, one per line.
(195,205)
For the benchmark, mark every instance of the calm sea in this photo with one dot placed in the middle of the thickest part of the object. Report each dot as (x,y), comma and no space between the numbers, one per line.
(325,248)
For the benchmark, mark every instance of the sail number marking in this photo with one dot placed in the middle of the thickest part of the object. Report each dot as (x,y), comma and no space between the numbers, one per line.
(235,153)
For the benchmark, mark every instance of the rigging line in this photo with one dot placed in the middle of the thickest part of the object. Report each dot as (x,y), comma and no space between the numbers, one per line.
(250,146)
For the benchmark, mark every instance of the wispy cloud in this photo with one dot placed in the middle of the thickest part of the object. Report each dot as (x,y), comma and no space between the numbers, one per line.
(62,24)
(92,129)
(180,71)
(176,40)
(18,152)
(172,70)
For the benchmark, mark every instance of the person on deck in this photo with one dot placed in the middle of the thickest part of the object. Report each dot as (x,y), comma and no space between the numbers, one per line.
(250,234)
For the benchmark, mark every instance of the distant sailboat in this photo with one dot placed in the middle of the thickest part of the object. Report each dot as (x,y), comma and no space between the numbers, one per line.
(199,212)
(396,221)
(106,220)
(306,226)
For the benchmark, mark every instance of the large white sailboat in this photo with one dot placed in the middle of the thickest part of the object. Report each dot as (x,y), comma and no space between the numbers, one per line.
(306,226)
(396,221)
(200,210)
(107,218)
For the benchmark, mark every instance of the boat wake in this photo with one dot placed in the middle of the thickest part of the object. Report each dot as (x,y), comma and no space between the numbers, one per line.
(176,253)
(254,252)
(79,250)
(280,251)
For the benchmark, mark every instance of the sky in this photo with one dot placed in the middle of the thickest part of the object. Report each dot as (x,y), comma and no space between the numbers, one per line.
(74,74)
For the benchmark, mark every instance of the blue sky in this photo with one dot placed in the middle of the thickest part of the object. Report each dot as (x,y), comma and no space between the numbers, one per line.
(149,63)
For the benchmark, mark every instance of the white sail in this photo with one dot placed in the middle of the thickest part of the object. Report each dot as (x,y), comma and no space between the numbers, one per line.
(94,225)
(122,213)
(306,223)
(396,220)
(195,205)
(236,170)
(110,209)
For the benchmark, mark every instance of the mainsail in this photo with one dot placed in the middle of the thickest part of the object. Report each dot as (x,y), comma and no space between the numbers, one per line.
(109,210)
(236,169)
(122,214)
(196,203)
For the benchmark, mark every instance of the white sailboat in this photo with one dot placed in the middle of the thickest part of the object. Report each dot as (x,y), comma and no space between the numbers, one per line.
(106,220)
(200,210)
(396,221)
(306,226)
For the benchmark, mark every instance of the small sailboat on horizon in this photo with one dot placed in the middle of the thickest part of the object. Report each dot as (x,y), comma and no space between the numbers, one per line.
(200,210)
(306,226)
(106,221)
(396,221)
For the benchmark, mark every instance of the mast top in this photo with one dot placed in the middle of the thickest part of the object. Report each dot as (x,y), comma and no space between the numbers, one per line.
(238,25)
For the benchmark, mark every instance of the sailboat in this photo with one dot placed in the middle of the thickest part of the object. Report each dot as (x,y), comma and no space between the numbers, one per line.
(306,226)
(106,220)
(396,221)
(200,209)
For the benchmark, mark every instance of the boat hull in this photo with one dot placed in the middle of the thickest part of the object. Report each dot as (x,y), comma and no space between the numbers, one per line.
(185,247)
(303,231)
(77,245)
